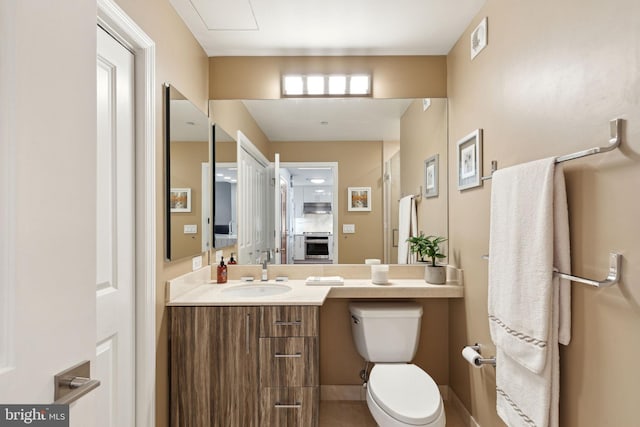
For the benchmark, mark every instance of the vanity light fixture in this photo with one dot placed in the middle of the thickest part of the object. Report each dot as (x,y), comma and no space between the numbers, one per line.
(324,85)
(315,85)
(337,85)
(292,85)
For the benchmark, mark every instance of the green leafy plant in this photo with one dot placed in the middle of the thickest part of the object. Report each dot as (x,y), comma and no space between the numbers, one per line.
(426,246)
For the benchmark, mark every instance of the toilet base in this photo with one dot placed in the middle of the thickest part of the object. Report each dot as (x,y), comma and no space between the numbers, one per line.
(385,420)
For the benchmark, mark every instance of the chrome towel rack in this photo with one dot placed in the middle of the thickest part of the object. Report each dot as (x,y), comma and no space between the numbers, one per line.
(615,129)
(615,264)
(615,259)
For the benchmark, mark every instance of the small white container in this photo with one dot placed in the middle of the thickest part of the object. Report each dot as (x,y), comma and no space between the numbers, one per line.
(372,261)
(380,274)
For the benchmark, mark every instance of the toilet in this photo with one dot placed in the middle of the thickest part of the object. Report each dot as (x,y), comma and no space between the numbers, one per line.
(398,393)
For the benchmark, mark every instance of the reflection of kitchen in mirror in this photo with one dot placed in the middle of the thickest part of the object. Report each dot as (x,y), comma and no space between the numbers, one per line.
(188,187)
(308,226)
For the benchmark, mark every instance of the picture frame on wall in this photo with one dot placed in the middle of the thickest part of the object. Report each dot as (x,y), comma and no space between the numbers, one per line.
(359,199)
(431,176)
(180,200)
(469,154)
(479,38)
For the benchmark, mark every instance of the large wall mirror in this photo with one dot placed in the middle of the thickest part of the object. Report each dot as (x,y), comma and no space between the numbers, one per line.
(188,177)
(403,133)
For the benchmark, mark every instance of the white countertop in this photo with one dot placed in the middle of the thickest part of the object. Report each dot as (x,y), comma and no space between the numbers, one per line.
(300,294)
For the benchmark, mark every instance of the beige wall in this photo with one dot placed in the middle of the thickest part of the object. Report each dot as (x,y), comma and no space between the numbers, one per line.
(423,134)
(551,77)
(184,156)
(393,76)
(359,165)
(340,363)
(181,62)
(233,116)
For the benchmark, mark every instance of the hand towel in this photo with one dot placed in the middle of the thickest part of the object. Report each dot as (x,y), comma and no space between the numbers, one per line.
(529,309)
(407,227)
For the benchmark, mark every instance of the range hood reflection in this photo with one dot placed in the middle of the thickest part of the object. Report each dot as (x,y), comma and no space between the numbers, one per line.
(316,208)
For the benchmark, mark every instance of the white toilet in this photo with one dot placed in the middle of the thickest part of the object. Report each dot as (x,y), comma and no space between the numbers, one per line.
(398,393)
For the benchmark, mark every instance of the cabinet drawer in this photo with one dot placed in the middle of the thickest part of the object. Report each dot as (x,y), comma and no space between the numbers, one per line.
(289,321)
(289,362)
(289,406)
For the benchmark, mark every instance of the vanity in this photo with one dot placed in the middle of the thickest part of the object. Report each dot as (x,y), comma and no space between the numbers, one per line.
(241,355)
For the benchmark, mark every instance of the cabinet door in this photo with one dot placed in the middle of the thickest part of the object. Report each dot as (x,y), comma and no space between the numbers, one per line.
(298,251)
(214,366)
(235,366)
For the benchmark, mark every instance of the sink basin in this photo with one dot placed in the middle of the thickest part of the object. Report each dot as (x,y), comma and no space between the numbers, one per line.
(256,290)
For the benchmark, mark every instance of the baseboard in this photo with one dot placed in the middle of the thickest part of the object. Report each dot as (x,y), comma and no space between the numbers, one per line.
(358,392)
(342,392)
(467,418)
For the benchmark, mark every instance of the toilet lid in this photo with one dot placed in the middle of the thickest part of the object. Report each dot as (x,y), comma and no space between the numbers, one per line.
(405,392)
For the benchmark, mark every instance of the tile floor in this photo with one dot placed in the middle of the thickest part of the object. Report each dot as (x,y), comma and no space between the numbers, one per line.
(354,413)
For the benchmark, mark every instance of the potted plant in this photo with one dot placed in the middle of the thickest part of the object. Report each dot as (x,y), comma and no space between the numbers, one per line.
(429,247)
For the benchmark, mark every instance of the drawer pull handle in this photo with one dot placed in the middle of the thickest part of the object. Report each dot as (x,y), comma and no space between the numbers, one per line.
(296,405)
(287,323)
(283,356)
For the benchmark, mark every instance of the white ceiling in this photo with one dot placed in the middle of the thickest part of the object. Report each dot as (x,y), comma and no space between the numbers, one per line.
(328,27)
(329,119)
(187,122)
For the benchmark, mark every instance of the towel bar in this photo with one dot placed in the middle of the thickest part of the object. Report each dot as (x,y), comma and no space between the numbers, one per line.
(615,140)
(615,265)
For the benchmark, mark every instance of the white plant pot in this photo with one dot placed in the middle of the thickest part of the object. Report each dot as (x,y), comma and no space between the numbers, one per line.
(435,275)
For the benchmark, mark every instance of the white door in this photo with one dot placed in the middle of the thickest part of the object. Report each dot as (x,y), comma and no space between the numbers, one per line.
(207,228)
(115,234)
(47,181)
(277,213)
(254,202)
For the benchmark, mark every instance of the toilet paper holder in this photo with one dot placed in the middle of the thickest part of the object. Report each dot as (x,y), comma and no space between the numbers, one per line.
(479,361)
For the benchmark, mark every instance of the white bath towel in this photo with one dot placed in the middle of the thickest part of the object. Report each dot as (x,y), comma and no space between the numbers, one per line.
(529,309)
(407,227)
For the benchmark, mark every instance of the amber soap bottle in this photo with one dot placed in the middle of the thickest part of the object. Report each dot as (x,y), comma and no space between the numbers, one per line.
(222,272)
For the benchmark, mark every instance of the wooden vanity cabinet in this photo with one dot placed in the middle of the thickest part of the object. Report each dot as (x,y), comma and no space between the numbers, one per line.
(214,366)
(244,366)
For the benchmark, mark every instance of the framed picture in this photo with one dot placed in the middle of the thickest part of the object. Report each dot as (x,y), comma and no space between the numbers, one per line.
(479,38)
(431,176)
(180,200)
(470,160)
(359,198)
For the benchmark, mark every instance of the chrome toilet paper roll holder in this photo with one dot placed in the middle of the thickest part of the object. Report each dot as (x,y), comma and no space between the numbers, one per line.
(482,360)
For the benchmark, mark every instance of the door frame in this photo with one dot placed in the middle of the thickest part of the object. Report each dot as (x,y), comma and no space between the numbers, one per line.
(117,23)
(336,196)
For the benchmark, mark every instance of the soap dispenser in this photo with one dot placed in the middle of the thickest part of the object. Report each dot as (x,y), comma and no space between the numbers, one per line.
(222,272)
(232,260)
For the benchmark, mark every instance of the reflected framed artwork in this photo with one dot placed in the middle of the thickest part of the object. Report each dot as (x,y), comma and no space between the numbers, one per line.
(180,200)
(470,160)
(431,176)
(359,199)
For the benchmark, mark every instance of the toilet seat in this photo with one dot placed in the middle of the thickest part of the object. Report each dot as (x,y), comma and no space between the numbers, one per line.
(406,393)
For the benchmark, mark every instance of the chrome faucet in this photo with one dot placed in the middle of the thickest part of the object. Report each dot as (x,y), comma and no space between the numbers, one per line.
(264,271)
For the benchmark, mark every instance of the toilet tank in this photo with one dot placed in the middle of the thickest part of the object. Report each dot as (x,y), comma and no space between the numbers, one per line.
(386,331)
